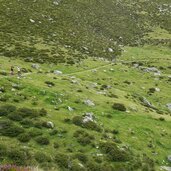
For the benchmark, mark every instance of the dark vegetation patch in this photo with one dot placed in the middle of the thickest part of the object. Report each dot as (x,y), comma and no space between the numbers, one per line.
(119,106)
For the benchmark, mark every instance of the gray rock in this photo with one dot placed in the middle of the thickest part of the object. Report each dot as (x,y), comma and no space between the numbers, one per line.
(110,49)
(35,66)
(70,109)
(169,158)
(168,106)
(57,72)
(165,168)
(146,103)
(50,124)
(88,117)
(89,103)
(32,21)
(152,69)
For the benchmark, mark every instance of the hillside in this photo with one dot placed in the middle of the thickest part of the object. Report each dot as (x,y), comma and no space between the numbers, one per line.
(73,29)
(94,89)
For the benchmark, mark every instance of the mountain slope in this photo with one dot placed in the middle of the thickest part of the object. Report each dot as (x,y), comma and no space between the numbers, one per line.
(92,28)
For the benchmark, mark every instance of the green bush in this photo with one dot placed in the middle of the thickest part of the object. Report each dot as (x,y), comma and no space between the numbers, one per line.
(93,166)
(6,109)
(3,151)
(114,153)
(15,116)
(42,157)
(81,157)
(27,123)
(9,129)
(53,132)
(62,160)
(26,112)
(119,106)
(77,120)
(18,156)
(34,132)
(43,112)
(24,137)
(38,124)
(83,137)
(92,126)
(42,140)
(56,145)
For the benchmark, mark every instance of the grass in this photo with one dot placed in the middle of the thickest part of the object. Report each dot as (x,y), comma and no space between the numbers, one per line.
(139,128)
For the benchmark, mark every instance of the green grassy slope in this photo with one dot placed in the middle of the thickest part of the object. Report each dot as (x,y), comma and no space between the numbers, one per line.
(27,27)
(144,130)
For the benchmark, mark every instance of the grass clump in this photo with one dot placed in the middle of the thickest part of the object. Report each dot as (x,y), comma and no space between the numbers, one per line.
(7,109)
(62,160)
(114,153)
(42,157)
(119,106)
(25,137)
(8,128)
(42,140)
(83,137)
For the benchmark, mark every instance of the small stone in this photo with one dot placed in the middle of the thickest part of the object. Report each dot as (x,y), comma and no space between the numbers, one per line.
(89,103)
(57,72)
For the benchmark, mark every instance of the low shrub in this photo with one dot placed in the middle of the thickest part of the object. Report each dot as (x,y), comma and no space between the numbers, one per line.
(42,140)
(49,83)
(81,157)
(6,109)
(62,160)
(53,132)
(56,145)
(27,123)
(26,112)
(15,116)
(43,112)
(18,156)
(119,106)
(38,124)
(9,129)
(42,157)
(83,137)
(92,126)
(77,120)
(34,132)
(3,151)
(113,152)
(25,137)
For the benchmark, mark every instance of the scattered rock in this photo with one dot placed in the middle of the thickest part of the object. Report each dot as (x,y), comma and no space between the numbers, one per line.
(146,103)
(168,106)
(50,124)
(166,168)
(57,72)
(35,66)
(89,103)
(88,117)
(32,21)
(110,50)
(70,109)
(169,158)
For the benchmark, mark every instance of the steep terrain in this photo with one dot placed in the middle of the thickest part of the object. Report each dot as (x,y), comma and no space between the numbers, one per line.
(72,108)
